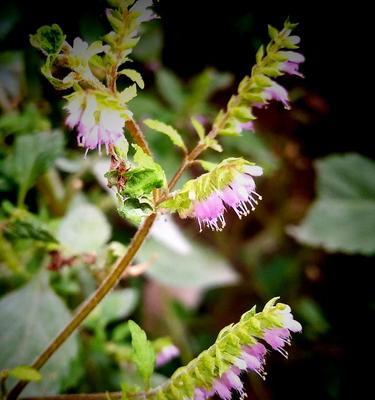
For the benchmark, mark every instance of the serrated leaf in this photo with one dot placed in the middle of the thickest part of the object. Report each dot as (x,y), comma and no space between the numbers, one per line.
(199,128)
(25,373)
(134,211)
(167,130)
(129,93)
(143,179)
(134,75)
(31,317)
(343,216)
(144,354)
(49,39)
(214,145)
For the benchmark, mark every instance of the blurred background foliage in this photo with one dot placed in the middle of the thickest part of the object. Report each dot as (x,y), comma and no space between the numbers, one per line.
(309,242)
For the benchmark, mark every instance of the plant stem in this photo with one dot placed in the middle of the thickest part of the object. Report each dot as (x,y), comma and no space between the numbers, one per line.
(138,136)
(109,283)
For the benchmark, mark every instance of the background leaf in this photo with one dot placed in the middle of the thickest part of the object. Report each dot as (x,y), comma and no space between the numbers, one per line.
(170,88)
(118,304)
(25,373)
(84,229)
(33,155)
(343,216)
(30,317)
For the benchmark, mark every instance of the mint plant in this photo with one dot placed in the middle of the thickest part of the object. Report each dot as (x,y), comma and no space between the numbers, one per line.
(99,110)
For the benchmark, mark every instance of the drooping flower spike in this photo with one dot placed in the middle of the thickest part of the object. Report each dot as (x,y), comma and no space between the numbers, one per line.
(238,348)
(230,185)
(99,119)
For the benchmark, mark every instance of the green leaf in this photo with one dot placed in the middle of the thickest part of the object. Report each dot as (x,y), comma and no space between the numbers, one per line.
(31,317)
(343,216)
(134,210)
(134,75)
(129,93)
(29,228)
(273,32)
(116,305)
(32,156)
(199,128)
(167,130)
(25,373)
(142,180)
(170,88)
(260,54)
(48,39)
(84,229)
(207,165)
(144,354)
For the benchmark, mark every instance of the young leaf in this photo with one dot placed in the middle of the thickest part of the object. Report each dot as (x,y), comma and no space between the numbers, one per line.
(134,75)
(199,128)
(25,373)
(207,165)
(129,93)
(143,352)
(167,130)
(48,39)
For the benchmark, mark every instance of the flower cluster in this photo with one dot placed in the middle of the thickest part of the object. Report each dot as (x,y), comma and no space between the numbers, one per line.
(252,358)
(99,120)
(239,194)
(239,348)
(229,185)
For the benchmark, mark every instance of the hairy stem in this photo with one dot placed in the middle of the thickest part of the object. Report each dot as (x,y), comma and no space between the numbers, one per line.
(109,283)
(138,136)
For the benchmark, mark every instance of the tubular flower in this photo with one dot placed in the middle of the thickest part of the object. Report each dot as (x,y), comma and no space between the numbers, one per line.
(239,194)
(292,64)
(278,93)
(99,121)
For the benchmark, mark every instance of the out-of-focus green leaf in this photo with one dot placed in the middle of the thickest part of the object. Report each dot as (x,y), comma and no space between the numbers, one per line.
(25,373)
(12,79)
(30,317)
(28,121)
(170,88)
(144,353)
(84,229)
(343,216)
(168,130)
(27,227)
(118,304)
(33,155)
(149,47)
(310,311)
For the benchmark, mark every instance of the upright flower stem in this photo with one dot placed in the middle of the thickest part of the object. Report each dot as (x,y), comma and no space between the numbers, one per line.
(109,283)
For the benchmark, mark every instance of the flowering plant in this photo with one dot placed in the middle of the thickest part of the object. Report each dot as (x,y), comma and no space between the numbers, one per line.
(101,116)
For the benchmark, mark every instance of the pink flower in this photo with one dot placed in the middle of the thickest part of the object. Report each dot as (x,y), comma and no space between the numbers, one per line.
(240,195)
(97,124)
(292,64)
(166,354)
(278,93)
